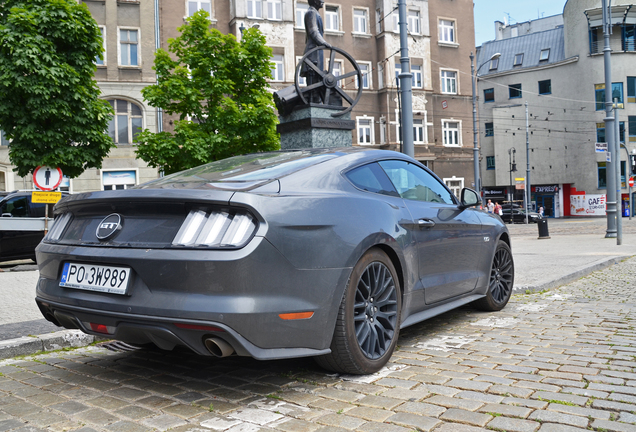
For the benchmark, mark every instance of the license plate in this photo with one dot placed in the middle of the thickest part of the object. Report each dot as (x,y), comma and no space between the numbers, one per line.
(89,277)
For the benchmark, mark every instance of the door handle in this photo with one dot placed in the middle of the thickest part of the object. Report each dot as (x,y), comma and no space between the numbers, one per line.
(425,223)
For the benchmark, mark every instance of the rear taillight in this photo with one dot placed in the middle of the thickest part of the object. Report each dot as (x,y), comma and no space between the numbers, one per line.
(216,229)
(59,224)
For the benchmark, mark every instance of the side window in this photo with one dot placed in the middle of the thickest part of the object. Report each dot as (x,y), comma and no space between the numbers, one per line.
(371,178)
(16,207)
(414,183)
(38,210)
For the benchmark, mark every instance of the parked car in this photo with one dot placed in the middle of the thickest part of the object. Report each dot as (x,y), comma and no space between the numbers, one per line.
(323,253)
(18,238)
(519,216)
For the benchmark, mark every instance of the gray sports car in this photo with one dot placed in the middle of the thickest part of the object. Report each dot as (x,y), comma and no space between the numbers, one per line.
(323,253)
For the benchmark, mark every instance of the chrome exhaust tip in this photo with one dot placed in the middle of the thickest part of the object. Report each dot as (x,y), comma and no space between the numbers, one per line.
(218,347)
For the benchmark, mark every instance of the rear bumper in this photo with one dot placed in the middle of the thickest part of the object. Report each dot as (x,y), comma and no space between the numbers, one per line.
(241,292)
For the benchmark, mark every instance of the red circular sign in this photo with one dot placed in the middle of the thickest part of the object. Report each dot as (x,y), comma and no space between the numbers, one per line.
(47,178)
(631,182)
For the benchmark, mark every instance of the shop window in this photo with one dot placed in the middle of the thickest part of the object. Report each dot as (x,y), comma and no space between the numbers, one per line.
(489,95)
(115,180)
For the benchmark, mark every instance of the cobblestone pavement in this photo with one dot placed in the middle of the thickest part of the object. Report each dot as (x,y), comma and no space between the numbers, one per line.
(561,361)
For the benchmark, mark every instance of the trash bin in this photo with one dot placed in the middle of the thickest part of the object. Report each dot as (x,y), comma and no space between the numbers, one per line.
(543,229)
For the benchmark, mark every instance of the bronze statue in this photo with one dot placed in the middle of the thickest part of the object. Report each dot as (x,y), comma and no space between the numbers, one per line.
(314,38)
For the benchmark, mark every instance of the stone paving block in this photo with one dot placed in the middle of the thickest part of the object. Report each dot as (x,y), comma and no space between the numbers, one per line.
(466,417)
(564,382)
(257,416)
(585,392)
(184,411)
(381,427)
(404,394)
(627,417)
(164,422)
(370,414)
(468,384)
(537,386)
(494,380)
(613,405)
(20,408)
(10,424)
(448,402)
(554,427)
(507,410)
(70,407)
(331,405)
(430,379)
(134,412)
(534,404)
(622,398)
(413,421)
(395,382)
(458,427)
(421,408)
(549,396)
(580,411)
(96,416)
(440,390)
(602,379)
(508,390)
(481,397)
(612,426)
(379,402)
(340,395)
(294,425)
(126,426)
(43,418)
(459,375)
(526,377)
(341,420)
(297,397)
(513,424)
(579,370)
(557,417)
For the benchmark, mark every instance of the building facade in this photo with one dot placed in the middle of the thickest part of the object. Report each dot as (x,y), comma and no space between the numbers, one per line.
(558,71)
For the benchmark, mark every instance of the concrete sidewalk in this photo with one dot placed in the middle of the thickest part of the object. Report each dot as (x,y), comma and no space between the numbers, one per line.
(577,247)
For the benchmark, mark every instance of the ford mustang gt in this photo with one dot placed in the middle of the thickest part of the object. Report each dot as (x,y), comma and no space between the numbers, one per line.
(325,253)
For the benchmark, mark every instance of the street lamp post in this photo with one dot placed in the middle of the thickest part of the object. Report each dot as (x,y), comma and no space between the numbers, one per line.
(513,168)
(473,74)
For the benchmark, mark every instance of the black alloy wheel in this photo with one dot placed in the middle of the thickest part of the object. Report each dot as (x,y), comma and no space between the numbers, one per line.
(500,283)
(368,322)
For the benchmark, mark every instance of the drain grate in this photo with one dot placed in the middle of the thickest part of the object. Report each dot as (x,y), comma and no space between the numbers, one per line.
(118,346)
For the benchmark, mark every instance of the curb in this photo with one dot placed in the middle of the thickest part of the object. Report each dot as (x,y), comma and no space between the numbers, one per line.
(555,283)
(47,342)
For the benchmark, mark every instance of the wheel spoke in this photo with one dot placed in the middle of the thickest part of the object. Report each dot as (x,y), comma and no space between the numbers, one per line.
(327,94)
(332,57)
(314,67)
(344,95)
(347,75)
(311,87)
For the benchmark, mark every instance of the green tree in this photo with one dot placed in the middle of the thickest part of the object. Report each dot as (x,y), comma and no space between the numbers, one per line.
(49,102)
(218,88)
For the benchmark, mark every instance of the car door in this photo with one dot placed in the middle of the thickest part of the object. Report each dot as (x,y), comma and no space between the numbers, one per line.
(14,243)
(450,243)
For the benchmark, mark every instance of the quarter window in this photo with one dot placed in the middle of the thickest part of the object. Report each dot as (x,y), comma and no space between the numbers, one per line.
(371,178)
(360,21)
(415,183)
(128,47)
(449,82)
(451,132)
(195,6)
(447,31)
(127,122)
(332,18)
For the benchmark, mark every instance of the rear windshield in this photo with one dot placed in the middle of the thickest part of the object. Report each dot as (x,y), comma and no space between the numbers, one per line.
(254,168)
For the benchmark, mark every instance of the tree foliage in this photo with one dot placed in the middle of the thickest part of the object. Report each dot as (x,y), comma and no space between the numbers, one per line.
(218,88)
(49,102)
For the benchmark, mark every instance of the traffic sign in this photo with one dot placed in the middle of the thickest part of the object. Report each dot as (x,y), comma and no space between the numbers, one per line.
(600,147)
(631,182)
(47,178)
(46,197)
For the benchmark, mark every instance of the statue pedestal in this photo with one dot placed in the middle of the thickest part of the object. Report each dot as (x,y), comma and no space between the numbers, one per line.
(313,127)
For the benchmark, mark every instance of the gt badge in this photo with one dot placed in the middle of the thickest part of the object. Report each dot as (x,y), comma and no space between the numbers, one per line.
(110,225)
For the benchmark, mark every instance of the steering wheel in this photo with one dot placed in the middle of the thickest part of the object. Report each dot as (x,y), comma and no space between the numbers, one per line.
(329,80)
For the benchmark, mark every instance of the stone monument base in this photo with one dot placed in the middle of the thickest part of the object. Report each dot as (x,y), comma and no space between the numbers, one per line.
(312,126)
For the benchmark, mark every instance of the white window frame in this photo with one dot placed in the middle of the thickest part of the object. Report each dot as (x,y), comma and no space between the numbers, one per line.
(417,76)
(256,4)
(340,69)
(413,20)
(370,127)
(119,44)
(395,19)
(102,28)
(443,34)
(302,81)
(398,71)
(199,3)
(276,9)
(102,171)
(518,60)
(447,182)
(368,75)
(382,130)
(547,54)
(447,130)
(380,75)
(360,21)
(330,16)
(129,118)
(278,71)
(447,81)
(422,127)
(300,24)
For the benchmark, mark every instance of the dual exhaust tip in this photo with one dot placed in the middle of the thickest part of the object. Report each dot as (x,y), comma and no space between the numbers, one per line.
(218,347)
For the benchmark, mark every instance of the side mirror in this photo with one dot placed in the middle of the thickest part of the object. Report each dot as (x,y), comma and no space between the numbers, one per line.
(469,198)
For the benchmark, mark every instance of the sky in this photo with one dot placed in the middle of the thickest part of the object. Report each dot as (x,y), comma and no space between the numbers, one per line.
(489,11)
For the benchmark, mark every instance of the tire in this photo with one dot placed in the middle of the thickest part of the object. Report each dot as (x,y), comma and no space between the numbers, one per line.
(368,322)
(501,280)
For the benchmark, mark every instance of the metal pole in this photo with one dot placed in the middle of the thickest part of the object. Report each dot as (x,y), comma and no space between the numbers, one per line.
(528,189)
(609,128)
(619,195)
(405,81)
(475,130)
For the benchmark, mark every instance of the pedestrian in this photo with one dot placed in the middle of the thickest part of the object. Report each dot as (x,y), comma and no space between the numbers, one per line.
(491,207)
(541,212)
(498,209)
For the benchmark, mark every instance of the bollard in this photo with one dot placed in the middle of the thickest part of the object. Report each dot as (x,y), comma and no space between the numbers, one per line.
(543,229)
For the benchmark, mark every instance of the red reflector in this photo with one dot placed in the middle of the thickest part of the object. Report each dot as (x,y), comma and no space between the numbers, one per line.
(296,316)
(99,328)
(198,327)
